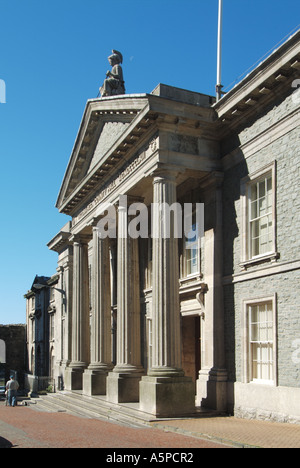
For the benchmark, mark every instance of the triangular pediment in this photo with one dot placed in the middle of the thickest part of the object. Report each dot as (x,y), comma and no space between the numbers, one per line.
(111,131)
(103,132)
(103,124)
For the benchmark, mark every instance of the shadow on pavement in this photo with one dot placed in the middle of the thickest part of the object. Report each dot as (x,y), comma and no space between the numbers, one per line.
(4,443)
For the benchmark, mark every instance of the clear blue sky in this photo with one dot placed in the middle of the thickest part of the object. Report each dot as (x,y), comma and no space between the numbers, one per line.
(53,57)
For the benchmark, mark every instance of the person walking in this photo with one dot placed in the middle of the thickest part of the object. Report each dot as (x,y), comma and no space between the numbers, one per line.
(12,387)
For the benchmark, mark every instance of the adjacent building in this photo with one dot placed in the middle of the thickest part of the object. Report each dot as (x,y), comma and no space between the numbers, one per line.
(174,321)
(40,311)
(12,353)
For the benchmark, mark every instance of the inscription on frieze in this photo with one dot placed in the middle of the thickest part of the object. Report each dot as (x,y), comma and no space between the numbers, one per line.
(117,180)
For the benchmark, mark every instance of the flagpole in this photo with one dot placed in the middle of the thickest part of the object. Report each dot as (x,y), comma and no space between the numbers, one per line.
(219,59)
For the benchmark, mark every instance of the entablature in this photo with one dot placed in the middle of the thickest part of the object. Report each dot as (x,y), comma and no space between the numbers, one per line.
(145,117)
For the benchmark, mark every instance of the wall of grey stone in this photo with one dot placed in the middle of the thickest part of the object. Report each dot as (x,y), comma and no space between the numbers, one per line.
(278,108)
(285,151)
(286,286)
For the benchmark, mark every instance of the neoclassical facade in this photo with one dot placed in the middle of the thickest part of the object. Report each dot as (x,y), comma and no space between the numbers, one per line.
(153,319)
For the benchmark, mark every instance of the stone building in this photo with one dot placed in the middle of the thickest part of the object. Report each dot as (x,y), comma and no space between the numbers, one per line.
(40,311)
(12,353)
(154,319)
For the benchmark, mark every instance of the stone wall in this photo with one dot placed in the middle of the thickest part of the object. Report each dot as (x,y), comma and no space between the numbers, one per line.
(286,288)
(273,138)
(284,149)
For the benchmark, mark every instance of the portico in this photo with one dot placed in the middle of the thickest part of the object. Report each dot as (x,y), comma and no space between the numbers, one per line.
(130,295)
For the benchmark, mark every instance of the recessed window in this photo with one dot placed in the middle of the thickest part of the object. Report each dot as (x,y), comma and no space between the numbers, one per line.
(258,229)
(261,232)
(193,232)
(261,329)
(192,252)
(260,341)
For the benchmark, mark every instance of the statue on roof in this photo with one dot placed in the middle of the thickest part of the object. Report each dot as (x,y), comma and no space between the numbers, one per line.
(114,83)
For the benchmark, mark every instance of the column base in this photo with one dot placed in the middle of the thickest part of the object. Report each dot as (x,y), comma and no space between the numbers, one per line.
(73,378)
(94,381)
(212,389)
(123,387)
(167,396)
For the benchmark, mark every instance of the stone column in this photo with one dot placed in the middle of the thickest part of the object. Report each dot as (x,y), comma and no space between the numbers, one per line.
(212,382)
(94,378)
(80,315)
(123,382)
(165,391)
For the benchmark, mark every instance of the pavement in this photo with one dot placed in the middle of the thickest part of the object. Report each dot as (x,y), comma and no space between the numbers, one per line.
(24,427)
(235,432)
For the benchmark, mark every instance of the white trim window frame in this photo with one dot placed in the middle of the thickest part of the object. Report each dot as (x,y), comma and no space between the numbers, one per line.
(191,257)
(258,192)
(260,341)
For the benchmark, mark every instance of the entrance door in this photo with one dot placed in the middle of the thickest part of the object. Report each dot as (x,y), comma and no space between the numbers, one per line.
(191,346)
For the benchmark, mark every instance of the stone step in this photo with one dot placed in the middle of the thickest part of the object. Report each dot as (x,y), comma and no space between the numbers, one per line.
(97,407)
(55,405)
(91,407)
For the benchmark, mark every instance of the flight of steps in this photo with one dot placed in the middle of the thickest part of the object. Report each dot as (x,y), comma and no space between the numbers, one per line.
(93,407)
(98,408)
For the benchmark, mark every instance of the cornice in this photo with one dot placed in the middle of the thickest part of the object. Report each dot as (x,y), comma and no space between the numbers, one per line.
(271,79)
(61,240)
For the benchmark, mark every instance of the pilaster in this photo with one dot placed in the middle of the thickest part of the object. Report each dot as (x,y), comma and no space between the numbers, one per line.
(212,381)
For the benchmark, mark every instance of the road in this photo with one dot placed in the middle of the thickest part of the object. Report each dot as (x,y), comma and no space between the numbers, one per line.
(24,427)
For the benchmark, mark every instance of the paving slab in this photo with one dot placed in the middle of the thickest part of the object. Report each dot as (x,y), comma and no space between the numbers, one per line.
(237,432)
(23,427)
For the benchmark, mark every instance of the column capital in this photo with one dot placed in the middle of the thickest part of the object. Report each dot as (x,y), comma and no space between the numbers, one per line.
(124,200)
(80,238)
(164,171)
(94,222)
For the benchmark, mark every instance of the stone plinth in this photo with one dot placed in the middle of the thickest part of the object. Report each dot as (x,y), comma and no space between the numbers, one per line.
(167,396)
(73,378)
(94,382)
(123,387)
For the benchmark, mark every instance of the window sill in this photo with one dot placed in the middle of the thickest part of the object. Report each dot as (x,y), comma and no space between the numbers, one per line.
(271,258)
(268,383)
(190,279)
